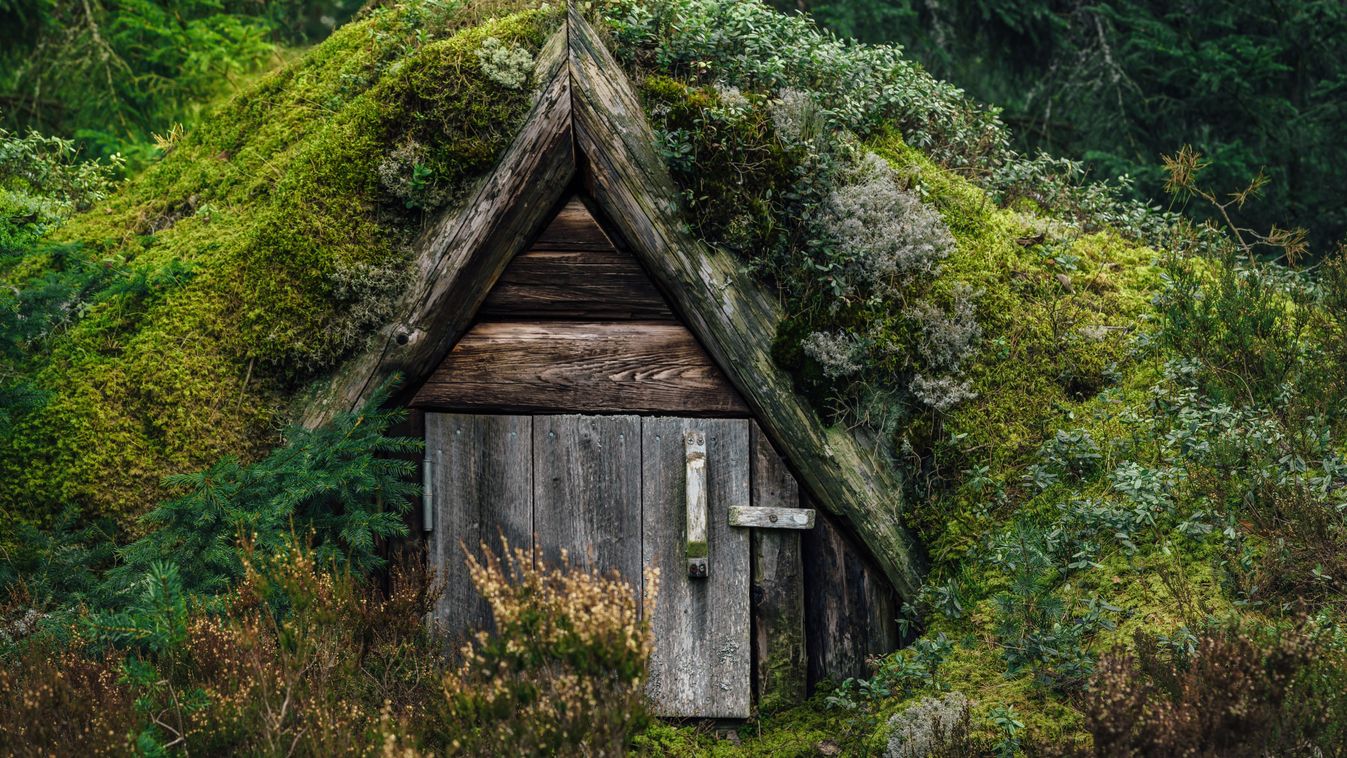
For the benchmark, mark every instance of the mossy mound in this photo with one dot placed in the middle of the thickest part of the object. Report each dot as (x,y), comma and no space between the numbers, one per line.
(257,253)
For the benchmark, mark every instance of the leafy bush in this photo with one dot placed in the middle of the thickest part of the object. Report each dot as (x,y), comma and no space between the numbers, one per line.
(1039,628)
(1071,455)
(859,88)
(564,670)
(338,485)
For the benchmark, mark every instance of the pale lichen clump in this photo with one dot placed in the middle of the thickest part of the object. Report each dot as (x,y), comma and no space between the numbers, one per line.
(508,65)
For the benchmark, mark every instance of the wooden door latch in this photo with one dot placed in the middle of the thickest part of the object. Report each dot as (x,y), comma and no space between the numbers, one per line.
(772,518)
(698,549)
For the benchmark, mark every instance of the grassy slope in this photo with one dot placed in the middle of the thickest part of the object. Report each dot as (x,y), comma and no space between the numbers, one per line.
(253,257)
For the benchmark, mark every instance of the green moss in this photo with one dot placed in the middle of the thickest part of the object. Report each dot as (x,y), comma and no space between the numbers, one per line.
(1057,308)
(294,250)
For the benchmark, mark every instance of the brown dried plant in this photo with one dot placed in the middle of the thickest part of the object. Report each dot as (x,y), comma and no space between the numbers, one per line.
(563,672)
(1240,692)
(1184,169)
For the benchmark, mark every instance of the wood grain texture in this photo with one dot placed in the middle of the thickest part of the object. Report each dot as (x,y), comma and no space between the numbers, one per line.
(733,315)
(482,489)
(587,492)
(850,610)
(771,517)
(587,367)
(778,585)
(573,228)
(460,256)
(701,663)
(587,285)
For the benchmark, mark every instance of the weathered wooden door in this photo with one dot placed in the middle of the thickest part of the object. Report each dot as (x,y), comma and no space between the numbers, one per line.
(611,490)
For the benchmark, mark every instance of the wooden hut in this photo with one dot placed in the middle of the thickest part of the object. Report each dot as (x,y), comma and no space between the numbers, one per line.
(589,377)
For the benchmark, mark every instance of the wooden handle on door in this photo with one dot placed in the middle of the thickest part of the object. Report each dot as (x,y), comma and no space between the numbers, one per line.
(698,549)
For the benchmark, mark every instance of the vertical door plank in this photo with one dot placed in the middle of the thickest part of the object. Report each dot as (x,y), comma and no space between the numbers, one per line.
(587,492)
(778,585)
(702,658)
(482,489)
(852,610)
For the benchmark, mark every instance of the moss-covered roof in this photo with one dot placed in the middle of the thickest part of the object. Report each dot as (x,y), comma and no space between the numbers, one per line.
(256,254)
(269,241)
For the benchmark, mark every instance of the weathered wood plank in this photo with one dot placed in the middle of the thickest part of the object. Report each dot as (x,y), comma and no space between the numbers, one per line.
(587,492)
(481,489)
(701,663)
(615,367)
(573,228)
(590,285)
(771,518)
(460,256)
(734,316)
(778,585)
(850,610)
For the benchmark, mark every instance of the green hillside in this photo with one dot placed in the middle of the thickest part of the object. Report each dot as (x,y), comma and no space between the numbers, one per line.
(1119,430)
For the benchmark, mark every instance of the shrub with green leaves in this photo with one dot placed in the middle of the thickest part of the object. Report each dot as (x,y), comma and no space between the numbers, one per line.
(340,486)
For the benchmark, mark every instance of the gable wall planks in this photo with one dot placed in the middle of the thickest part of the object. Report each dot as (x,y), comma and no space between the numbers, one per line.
(580,367)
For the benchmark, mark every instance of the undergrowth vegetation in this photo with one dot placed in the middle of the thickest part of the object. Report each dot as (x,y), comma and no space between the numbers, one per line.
(249,620)
(1120,432)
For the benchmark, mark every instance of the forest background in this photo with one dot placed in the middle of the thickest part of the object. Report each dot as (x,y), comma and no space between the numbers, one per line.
(1252,86)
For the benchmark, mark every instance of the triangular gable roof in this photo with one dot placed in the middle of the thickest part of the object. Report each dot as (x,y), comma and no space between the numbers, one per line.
(588,124)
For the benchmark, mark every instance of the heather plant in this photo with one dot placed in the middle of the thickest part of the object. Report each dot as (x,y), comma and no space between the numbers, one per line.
(57,700)
(1239,692)
(564,670)
(301,657)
